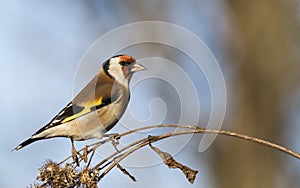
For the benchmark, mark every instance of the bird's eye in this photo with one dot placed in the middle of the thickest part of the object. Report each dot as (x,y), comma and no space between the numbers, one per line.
(123,63)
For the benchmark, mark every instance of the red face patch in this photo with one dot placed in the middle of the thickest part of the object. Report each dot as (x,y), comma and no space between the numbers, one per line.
(127,58)
(125,72)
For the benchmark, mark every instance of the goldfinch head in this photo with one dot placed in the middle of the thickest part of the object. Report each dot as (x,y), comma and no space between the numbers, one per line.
(122,67)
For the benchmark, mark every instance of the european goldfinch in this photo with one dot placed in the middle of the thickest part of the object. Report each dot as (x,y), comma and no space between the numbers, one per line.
(97,108)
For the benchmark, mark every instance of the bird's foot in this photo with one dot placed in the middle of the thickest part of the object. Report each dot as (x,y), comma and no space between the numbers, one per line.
(85,154)
(114,137)
(74,156)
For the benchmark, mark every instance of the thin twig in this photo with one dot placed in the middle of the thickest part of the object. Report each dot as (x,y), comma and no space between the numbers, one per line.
(143,142)
(118,136)
(195,130)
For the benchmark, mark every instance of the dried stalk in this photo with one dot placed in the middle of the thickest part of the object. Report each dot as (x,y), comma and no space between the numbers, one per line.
(143,142)
(115,158)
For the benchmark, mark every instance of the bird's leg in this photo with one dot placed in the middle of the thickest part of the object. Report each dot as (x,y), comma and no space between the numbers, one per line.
(85,154)
(74,153)
(149,140)
(114,139)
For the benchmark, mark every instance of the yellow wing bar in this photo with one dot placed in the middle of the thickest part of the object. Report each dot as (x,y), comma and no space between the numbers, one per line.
(87,108)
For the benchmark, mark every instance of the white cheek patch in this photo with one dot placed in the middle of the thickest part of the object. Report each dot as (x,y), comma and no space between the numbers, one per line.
(115,70)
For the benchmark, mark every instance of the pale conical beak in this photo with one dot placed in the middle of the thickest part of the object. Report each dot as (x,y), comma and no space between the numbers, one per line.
(137,67)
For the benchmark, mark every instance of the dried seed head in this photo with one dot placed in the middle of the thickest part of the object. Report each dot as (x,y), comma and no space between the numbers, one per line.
(53,175)
(88,178)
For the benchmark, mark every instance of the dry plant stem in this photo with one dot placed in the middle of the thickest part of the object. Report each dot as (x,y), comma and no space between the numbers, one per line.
(144,142)
(195,129)
(256,140)
(121,157)
(107,159)
(118,152)
(225,133)
(105,165)
(201,130)
(98,144)
(90,160)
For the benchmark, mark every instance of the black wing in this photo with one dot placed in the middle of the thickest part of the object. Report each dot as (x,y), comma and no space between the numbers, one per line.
(73,111)
(69,111)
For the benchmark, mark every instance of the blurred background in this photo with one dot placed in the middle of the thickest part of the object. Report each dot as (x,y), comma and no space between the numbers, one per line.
(256,43)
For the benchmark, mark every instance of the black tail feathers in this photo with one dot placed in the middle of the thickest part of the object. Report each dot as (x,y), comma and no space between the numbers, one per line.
(25,143)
